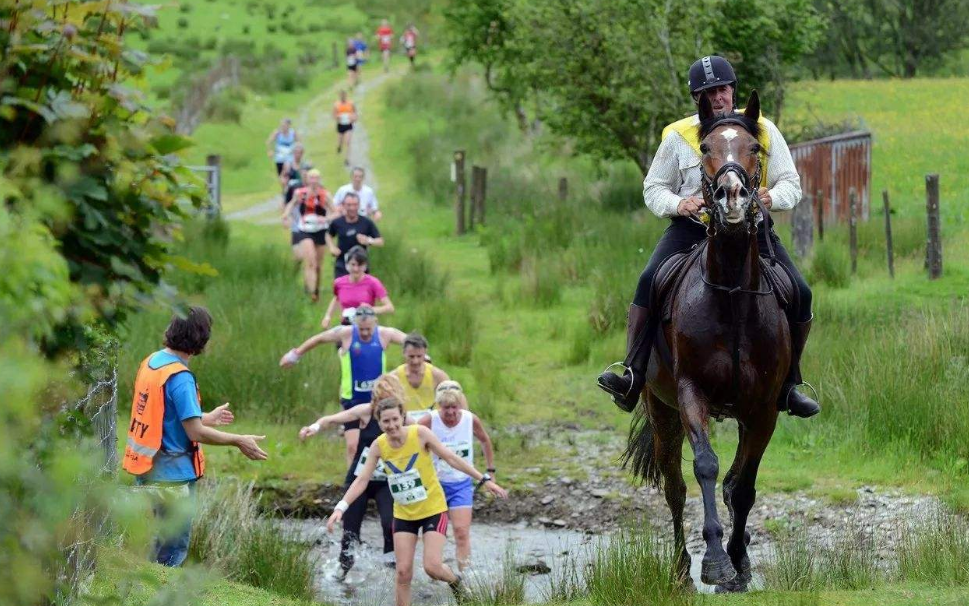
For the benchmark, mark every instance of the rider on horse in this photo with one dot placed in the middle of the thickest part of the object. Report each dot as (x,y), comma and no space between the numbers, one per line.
(673,188)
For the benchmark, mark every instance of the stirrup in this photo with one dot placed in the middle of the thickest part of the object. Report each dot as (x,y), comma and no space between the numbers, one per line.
(817,396)
(614,393)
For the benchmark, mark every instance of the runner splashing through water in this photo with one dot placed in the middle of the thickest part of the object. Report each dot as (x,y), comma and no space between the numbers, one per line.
(386,386)
(456,427)
(419,504)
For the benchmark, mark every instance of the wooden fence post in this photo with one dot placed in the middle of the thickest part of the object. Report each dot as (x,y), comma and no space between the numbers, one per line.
(482,192)
(853,228)
(563,189)
(888,235)
(475,188)
(213,179)
(336,56)
(820,203)
(460,185)
(802,227)
(933,249)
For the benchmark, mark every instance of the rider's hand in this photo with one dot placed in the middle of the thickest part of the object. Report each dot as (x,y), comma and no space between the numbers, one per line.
(764,194)
(248,446)
(335,517)
(496,490)
(689,206)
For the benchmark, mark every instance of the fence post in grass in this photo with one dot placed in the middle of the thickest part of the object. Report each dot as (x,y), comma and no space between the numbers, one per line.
(213,181)
(563,189)
(819,198)
(802,227)
(336,56)
(482,192)
(460,185)
(475,187)
(888,235)
(853,228)
(933,249)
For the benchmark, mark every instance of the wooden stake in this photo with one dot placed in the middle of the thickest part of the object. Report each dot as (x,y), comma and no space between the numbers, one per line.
(802,227)
(460,185)
(563,189)
(889,248)
(853,228)
(933,249)
(820,202)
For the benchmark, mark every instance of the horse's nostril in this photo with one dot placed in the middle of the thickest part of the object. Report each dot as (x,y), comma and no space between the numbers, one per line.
(744,192)
(720,193)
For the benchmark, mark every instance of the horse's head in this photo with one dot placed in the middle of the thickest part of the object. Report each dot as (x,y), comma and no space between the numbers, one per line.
(731,163)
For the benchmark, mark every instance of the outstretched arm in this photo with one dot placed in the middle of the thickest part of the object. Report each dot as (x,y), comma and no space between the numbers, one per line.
(333,335)
(430,441)
(344,416)
(356,488)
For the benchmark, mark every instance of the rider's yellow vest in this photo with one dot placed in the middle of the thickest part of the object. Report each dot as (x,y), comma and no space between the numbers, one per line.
(689,129)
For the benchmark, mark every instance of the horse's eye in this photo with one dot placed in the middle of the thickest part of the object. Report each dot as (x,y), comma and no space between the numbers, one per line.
(755,148)
(704,148)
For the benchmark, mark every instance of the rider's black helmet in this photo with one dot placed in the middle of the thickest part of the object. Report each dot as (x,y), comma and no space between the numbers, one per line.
(709,72)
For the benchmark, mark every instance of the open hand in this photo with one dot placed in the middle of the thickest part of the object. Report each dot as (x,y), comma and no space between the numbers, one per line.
(496,490)
(335,517)
(307,432)
(221,415)
(248,446)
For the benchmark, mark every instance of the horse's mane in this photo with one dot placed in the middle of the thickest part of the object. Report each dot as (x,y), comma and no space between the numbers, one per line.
(747,123)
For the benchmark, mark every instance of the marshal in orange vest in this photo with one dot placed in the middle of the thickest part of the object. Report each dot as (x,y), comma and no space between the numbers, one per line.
(147,415)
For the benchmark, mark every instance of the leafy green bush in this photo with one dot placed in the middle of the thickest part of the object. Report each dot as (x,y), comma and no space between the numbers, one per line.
(541,283)
(831,264)
(226,106)
(182,23)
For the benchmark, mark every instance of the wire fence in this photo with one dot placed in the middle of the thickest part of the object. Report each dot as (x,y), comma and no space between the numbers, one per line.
(91,521)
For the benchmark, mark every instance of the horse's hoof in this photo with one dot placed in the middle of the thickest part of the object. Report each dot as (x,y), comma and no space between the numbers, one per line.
(717,570)
(737,585)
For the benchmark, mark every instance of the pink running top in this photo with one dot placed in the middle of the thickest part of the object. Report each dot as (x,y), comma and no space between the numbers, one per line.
(353,294)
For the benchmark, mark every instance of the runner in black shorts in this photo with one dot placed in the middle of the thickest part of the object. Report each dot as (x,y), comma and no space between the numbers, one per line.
(315,212)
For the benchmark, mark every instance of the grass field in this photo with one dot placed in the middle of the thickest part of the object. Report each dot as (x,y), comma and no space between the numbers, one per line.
(528,310)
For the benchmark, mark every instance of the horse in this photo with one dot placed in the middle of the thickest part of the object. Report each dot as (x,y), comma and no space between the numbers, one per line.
(727,350)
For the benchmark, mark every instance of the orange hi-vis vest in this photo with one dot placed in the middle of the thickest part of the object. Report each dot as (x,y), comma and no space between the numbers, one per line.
(147,416)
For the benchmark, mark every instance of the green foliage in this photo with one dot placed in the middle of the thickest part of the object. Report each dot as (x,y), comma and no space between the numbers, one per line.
(227,106)
(831,264)
(502,587)
(229,533)
(935,550)
(799,562)
(635,567)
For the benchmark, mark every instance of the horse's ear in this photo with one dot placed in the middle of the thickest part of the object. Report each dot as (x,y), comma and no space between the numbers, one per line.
(752,110)
(706,108)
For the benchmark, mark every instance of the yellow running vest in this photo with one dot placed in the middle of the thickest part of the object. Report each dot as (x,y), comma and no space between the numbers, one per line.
(411,477)
(689,129)
(421,397)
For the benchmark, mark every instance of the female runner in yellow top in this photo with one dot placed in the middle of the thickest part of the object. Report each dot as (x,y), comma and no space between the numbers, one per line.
(419,503)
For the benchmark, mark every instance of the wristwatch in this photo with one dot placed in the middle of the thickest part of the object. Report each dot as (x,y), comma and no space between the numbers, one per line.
(484,479)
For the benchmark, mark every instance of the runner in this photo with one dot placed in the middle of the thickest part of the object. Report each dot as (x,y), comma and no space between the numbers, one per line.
(345,115)
(357,288)
(455,426)
(363,51)
(368,199)
(419,503)
(350,229)
(314,207)
(385,37)
(386,386)
(280,144)
(363,358)
(418,377)
(409,40)
(353,64)
(293,177)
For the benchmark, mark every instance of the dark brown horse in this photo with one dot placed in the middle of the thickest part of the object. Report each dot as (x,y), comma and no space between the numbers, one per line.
(729,348)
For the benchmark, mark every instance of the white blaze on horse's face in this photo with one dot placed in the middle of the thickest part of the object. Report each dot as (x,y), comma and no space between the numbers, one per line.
(730,144)
(733,202)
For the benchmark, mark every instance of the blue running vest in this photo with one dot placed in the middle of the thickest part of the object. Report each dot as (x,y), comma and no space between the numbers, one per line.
(361,365)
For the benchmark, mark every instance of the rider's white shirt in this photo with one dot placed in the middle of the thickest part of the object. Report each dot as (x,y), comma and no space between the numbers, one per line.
(368,199)
(675,174)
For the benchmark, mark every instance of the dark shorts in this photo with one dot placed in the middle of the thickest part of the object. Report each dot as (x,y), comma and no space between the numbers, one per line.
(295,237)
(318,237)
(344,128)
(435,523)
(347,405)
(279,168)
(351,68)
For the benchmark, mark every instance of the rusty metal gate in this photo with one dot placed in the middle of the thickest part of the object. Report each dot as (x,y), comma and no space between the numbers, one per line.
(834,165)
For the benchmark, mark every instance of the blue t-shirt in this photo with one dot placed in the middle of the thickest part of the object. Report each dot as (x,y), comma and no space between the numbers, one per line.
(173,463)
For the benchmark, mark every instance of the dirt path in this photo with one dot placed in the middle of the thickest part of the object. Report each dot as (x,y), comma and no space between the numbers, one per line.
(314,118)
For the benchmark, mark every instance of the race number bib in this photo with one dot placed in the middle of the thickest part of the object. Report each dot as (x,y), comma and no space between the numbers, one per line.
(462,449)
(406,487)
(344,119)
(378,473)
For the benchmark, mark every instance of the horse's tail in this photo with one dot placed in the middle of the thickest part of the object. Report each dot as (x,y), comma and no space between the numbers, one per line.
(640,451)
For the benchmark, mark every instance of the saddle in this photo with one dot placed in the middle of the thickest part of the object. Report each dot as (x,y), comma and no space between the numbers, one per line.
(671,273)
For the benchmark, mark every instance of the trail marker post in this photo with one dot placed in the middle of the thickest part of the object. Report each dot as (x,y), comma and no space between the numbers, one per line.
(933,248)
(853,229)
(889,249)
(213,181)
(479,188)
(563,189)
(819,198)
(802,227)
(460,185)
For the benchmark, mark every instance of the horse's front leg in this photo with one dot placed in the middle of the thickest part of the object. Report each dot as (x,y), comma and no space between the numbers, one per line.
(753,443)
(716,568)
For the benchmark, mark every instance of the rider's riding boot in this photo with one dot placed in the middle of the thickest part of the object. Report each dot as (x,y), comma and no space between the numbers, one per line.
(796,403)
(625,389)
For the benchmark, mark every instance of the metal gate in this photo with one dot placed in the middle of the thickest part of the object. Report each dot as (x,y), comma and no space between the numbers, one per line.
(833,166)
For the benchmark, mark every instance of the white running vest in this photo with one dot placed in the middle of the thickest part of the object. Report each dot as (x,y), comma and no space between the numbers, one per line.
(458,439)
